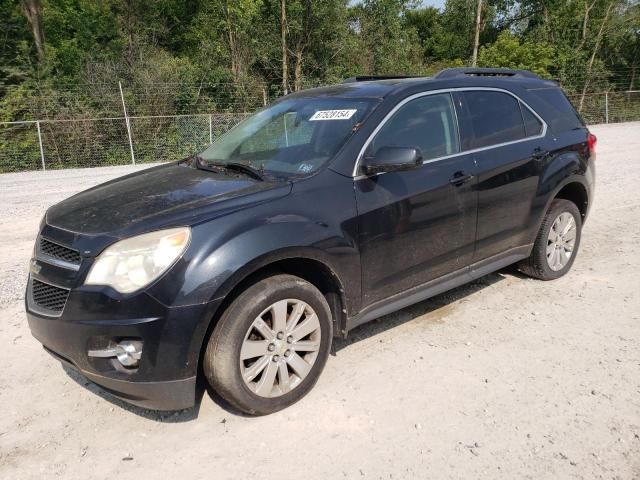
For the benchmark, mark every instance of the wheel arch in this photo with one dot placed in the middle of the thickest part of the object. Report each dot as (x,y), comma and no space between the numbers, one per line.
(575,192)
(307,265)
(304,264)
(573,188)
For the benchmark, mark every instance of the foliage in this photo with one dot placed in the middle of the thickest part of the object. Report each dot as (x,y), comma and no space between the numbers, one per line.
(508,51)
(177,56)
(62,59)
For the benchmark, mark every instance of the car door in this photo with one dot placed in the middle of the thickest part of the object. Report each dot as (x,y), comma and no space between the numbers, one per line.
(509,144)
(416,225)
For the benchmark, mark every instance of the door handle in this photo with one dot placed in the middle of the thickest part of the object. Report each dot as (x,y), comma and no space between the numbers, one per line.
(460,178)
(539,154)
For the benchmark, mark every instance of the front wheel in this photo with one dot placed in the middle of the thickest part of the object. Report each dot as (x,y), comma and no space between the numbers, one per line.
(556,245)
(270,345)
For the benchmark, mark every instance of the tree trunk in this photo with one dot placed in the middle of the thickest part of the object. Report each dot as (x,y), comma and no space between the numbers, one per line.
(32,10)
(234,47)
(634,67)
(285,60)
(547,22)
(233,51)
(128,24)
(303,40)
(596,47)
(476,41)
(585,23)
(297,73)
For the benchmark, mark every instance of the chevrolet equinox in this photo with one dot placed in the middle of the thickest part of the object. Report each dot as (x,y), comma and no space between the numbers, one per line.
(327,209)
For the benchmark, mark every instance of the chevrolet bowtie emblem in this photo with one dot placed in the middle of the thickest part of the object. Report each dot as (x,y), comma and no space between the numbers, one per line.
(35,267)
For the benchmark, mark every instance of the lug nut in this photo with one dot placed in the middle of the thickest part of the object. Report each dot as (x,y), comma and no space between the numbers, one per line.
(276,358)
(280,335)
(287,354)
(271,347)
(290,339)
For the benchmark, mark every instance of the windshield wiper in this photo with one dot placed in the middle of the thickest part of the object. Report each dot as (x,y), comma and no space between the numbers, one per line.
(241,167)
(235,166)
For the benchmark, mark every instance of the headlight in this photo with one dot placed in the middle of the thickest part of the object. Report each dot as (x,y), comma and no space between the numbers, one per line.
(135,262)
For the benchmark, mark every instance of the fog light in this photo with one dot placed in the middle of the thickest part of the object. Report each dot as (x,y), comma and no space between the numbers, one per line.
(128,352)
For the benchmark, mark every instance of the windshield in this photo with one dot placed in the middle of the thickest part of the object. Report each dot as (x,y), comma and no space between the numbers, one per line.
(291,137)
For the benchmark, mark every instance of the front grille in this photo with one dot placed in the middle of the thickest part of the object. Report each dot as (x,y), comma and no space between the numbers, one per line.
(47,296)
(58,251)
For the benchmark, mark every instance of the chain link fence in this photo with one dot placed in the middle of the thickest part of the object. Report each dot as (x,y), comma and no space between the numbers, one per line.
(97,142)
(93,142)
(608,107)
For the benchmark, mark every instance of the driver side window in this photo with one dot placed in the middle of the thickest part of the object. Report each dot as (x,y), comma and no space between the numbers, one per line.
(427,123)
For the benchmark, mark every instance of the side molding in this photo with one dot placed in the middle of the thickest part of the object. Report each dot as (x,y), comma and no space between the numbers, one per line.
(439,285)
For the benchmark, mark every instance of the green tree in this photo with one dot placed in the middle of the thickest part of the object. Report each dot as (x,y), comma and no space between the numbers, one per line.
(16,57)
(509,51)
(425,22)
(453,34)
(389,45)
(222,52)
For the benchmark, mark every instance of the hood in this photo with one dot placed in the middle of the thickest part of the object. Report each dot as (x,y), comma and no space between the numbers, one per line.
(173,194)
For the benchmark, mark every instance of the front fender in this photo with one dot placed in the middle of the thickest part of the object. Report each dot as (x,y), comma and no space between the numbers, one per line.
(317,221)
(248,252)
(231,248)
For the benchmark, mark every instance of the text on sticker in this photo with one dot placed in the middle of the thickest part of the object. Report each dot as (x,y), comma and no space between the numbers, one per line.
(333,115)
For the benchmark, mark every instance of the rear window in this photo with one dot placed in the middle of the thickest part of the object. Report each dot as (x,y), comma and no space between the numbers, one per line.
(495,118)
(559,113)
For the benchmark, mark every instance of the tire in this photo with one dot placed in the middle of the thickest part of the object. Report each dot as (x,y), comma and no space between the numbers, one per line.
(241,332)
(538,265)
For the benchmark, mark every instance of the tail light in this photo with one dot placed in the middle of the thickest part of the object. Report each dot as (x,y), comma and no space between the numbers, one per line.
(591,142)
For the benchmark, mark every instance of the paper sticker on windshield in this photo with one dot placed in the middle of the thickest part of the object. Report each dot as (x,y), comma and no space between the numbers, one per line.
(333,115)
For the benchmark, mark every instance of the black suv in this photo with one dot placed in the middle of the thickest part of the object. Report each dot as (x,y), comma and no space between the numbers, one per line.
(327,209)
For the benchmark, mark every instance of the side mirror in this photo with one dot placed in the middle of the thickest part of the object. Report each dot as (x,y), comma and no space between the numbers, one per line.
(392,159)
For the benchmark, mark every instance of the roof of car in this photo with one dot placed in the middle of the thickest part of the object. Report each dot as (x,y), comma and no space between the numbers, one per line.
(379,87)
(376,89)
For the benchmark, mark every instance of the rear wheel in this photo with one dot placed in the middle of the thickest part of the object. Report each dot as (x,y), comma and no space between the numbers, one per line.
(270,345)
(556,245)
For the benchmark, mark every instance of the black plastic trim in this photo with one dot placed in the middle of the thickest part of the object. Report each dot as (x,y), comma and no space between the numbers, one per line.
(439,285)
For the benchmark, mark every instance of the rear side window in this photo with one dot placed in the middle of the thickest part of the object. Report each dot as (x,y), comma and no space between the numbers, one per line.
(559,113)
(427,123)
(495,118)
(532,126)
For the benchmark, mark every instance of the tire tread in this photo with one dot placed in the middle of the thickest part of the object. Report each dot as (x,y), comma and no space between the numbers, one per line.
(535,265)
(219,362)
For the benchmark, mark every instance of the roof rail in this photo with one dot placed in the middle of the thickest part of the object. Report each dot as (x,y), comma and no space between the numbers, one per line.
(484,72)
(367,78)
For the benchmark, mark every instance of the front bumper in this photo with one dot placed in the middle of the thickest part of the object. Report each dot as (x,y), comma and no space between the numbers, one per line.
(166,395)
(165,378)
(70,319)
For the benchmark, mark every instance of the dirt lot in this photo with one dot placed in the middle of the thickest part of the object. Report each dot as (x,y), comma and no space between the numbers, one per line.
(504,378)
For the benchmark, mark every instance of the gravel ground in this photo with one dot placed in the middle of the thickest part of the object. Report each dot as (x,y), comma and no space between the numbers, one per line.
(503,378)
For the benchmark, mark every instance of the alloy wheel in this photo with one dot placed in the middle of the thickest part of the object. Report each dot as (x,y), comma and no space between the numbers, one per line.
(561,241)
(280,348)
